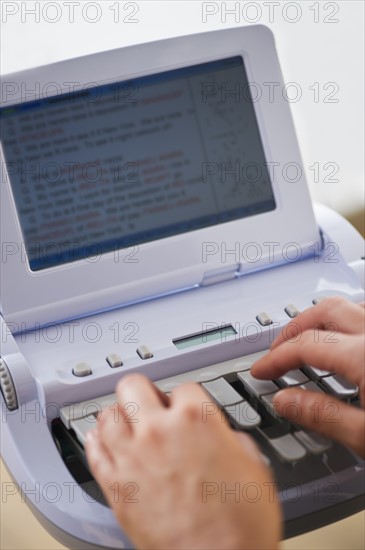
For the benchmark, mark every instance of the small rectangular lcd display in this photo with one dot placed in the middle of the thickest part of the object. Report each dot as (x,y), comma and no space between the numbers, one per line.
(204,337)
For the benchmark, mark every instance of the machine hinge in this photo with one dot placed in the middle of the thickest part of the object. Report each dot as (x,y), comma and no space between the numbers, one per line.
(220,275)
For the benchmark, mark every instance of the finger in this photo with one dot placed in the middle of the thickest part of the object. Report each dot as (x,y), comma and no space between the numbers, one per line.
(99,460)
(139,397)
(190,392)
(114,430)
(192,401)
(317,348)
(325,415)
(334,314)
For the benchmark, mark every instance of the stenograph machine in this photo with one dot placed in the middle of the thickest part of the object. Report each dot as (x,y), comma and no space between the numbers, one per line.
(155,218)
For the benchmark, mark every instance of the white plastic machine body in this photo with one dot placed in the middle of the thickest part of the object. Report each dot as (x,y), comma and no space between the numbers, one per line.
(82,312)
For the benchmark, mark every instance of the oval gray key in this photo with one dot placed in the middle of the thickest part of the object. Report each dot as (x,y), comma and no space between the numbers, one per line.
(256,387)
(340,387)
(315,373)
(243,415)
(293,378)
(267,400)
(286,447)
(311,386)
(315,443)
(82,426)
(222,392)
(86,408)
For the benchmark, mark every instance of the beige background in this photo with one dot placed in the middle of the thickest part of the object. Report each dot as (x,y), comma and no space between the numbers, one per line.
(21,531)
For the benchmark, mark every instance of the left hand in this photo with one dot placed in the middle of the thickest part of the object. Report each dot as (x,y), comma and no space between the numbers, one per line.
(179,478)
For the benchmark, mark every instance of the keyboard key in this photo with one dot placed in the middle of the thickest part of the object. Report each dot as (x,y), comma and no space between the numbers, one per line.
(86,408)
(114,360)
(82,369)
(313,442)
(312,386)
(315,373)
(222,392)
(292,378)
(144,352)
(291,311)
(243,415)
(242,365)
(287,447)
(264,319)
(318,299)
(256,387)
(267,400)
(82,426)
(340,387)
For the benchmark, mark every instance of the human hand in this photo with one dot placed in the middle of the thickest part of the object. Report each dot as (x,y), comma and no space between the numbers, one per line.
(183,466)
(329,336)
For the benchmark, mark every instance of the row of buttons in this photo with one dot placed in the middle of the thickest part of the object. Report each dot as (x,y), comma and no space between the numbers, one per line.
(291,310)
(264,319)
(289,445)
(114,361)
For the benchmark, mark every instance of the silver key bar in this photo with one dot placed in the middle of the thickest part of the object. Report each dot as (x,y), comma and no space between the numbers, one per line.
(292,378)
(243,415)
(82,426)
(256,387)
(340,387)
(287,448)
(222,392)
(315,443)
(86,408)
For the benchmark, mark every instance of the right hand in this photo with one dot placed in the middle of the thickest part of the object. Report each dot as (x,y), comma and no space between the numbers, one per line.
(329,336)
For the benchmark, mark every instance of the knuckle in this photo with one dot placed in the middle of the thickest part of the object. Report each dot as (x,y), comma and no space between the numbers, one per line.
(188,389)
(182,388)
(152,433)
(191,411)
(333,303)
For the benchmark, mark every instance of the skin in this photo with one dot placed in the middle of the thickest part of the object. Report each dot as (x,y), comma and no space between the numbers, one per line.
(331,337)
(182,464)
(178,461)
